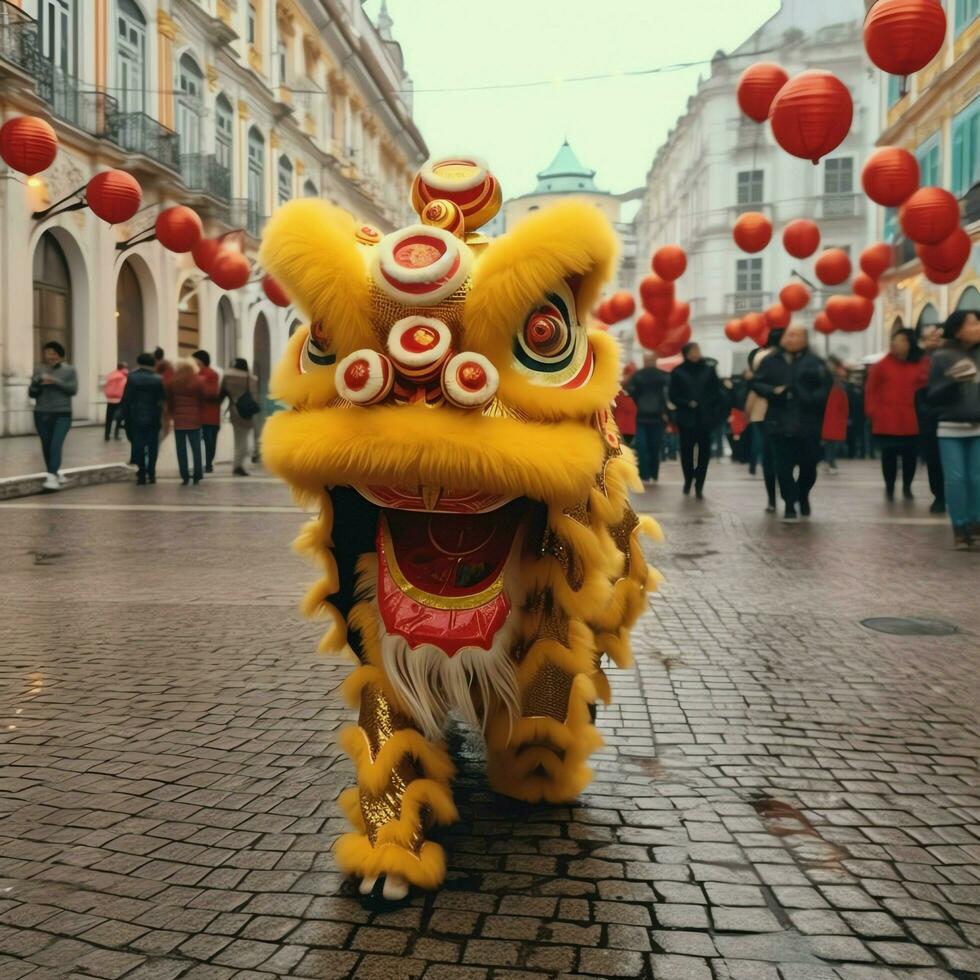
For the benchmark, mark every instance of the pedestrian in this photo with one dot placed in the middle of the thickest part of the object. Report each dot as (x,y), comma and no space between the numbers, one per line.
(889,401)
(756,408)
(700,402)
(185,399)
(53,385)
(954,391)
(211,409)
(648,389)
(624,412)
(165,369)
(115,383)
(856,440)
(142,409)
(796,383)
(834,431)
(240,387)
(931,340)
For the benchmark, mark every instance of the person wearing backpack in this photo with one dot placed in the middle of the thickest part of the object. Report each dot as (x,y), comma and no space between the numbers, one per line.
(241,388)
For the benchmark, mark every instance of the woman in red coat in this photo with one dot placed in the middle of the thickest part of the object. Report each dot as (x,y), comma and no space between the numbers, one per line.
(834,431)
(889,401)
(185,398)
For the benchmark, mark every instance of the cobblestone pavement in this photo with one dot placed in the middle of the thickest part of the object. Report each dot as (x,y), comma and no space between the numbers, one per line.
(783,794)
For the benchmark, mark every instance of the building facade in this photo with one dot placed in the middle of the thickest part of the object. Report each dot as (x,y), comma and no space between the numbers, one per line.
(229,106)
(717,164)
(937,119)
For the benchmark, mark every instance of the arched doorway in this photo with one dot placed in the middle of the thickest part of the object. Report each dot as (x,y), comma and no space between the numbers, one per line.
(188,320)
(928,317)
(52,297)
(227,333)
(129,316)
(970,300)
(262,357)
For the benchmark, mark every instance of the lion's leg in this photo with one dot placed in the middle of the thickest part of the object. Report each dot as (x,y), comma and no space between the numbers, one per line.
(402,788)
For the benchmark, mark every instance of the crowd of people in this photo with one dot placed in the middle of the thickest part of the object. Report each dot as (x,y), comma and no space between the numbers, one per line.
(791,411)
(188,397)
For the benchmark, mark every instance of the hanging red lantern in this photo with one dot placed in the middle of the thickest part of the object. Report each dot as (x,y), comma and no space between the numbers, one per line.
(657,296)
(204,253)
(179,228)
(622,305)
(674,341)
(670,262)
(759,85)
(274,292)
(941,277)
(605,313)
(230,269)
(794,296)
(28,144)
(930,215)
(891,176)
(752,232)
(903,36)
(114,196)
(860,312)
(876,260)
(865,286)
(812,114)
(822,324)
(951,253)
(778,317)
(650,331)
(833,267)
(735,331)
(801,238)
(756,327)
(679,315)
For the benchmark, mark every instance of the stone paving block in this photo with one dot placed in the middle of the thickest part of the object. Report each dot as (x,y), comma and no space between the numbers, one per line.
(665,967)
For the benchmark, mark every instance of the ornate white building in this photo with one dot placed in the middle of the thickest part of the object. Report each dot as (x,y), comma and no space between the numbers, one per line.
(229,106)
(716,164)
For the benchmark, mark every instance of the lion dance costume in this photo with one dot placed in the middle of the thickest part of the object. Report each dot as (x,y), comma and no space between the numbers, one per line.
(450,418)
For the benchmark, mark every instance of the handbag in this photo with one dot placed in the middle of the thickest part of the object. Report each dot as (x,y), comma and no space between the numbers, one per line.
(34,389)
(246,405)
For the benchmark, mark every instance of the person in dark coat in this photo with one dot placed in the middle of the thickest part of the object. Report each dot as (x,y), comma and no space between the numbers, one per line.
(954,391)
(796,384)
(931,340)
(648,388)
(700,404)
(141,410)
(185,399)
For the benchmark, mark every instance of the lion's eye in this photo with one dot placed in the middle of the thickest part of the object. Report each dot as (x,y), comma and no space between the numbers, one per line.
(316,351)
(547,341)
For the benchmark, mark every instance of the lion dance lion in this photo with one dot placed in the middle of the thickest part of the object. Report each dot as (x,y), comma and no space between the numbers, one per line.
(449,416)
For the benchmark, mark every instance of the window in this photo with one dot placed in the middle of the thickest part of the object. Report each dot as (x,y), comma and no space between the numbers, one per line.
(838,176)
(894,89)
(130,56)
(966,148)
(256,179)
(52,296)
(56,27)
(966,13)
(190,86)
(750,187)
(281,61)
(309,189)
(929,155)
(223,132)
(748,276)
(285,180)
(251,28)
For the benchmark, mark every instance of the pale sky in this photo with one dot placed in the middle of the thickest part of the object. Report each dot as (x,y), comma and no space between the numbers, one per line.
(614,125)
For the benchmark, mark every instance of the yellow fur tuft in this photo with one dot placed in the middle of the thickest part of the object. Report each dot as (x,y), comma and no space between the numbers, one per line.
(356,856)
(373,774)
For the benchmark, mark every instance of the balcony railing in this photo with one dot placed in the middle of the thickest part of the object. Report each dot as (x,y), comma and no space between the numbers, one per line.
(86,109)
(971,204)
(140,133)
(203,172)
(748,301)
(841,205)
(243,213)
(18,38)
(739,209)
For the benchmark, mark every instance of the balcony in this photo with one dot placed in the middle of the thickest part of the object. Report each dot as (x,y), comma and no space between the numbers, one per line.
(142,134)
(841,206)
(86,109)
(19,48)
(737,210)
(202,172)
(245,214)
(747,301)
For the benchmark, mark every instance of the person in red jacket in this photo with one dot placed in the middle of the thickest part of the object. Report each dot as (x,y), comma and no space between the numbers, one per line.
(624,412)
(889,401)
(211,410)
(185,398)
(834,431)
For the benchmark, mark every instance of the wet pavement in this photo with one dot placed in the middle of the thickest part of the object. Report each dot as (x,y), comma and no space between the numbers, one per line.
(784,793)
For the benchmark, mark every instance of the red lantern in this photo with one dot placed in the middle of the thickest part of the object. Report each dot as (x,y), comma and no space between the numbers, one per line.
(230,269)
(759,85)
(679,315)
(274,291)
(950,254)
(778,317)
(752,232)
(822,324)
(114,196)
(674,341)
(801,238)
(930,215)
(670,262)
(179,229)
(860,312)
(622,305)
(941,278)
(812,114)
(838,311)
(756,327)
(891,176)
(735,331)
(657,296)
(605,313)
(833,267)
(204,253)
(28,144)
(876,260)
(865,286)
(794,297)
(903,36)
(649,331)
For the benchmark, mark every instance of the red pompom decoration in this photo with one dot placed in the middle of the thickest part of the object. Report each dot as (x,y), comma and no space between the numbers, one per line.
(950,254)
(812,114)
(114,196)
(801,238)
(876,260)
(28,144)
(865,286)
(274,292)
(622,305)
(833,267)
(179,229)
(735,331)
(891,176)
(930,215)
(752,232)
(657,296)
(670,262)
(759,85)
(903,36)
(778,317)
(650,331)
(794,296)
(204,253)
(822,324)
(230,269)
